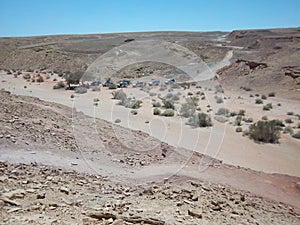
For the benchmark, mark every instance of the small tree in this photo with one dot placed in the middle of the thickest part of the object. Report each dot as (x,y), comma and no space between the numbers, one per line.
(264,131)
(200,120)
(73,78)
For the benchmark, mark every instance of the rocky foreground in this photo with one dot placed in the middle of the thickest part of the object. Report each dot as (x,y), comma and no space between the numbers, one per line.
(36,194)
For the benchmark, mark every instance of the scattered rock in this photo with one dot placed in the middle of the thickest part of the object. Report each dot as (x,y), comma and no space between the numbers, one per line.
(195,214)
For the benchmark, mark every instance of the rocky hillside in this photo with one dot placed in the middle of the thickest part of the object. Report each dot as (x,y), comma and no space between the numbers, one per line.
(75,52)
(266,59)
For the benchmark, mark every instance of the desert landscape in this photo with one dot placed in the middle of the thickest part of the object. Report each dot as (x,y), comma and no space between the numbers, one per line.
(151,128)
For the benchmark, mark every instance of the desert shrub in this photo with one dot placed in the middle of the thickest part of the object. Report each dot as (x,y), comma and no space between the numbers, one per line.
(239,129)
(264,118)
(219,100)
(279,123)
(290,113)
(288,120)
(134,112)
(96,99)
(221,119)
(200,120)
(112,86)
(117,121)
(156,104)
(26,76)
(297,135)
(288,130)
(134,104)
(264,97)
(59,84)
(264,131)
(168,104)
(246,88)
(39,79)
(152,94)
(248,120)
(241,112)
(271,94)
(168,113)
(188,108)
(258,101)
(232,114)
(72,96)
(222,111)
(156,111)
(279,104)
(238,121)
(8,73)
(219,89)
(251,95)
(73,78)
(95,88)
(119,95)
(267,107)
(80,90)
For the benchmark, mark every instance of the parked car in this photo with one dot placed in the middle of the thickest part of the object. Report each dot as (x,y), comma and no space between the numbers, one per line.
(139,84)
(170,81)
(123,83)
(154,83)
(95,83)
(107,83)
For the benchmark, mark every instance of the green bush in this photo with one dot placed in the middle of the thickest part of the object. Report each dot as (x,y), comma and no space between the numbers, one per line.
(117,121)
(168,104)
(263,97)
(271,94)
(134,112)
(112,86)
(188,108)
(156,111)
(156,104)
(168,113)
(222,111)
(81,90)
(59,84)
(39,79)
(219,100)
(26,76)
(264,131)
(238,121)
(134,105)
(267,107)
(241,112)
(200,120)
(221,119)
(290,113)
(288,120)
(258,101)
(288,130)
(232,114)
(239,129)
